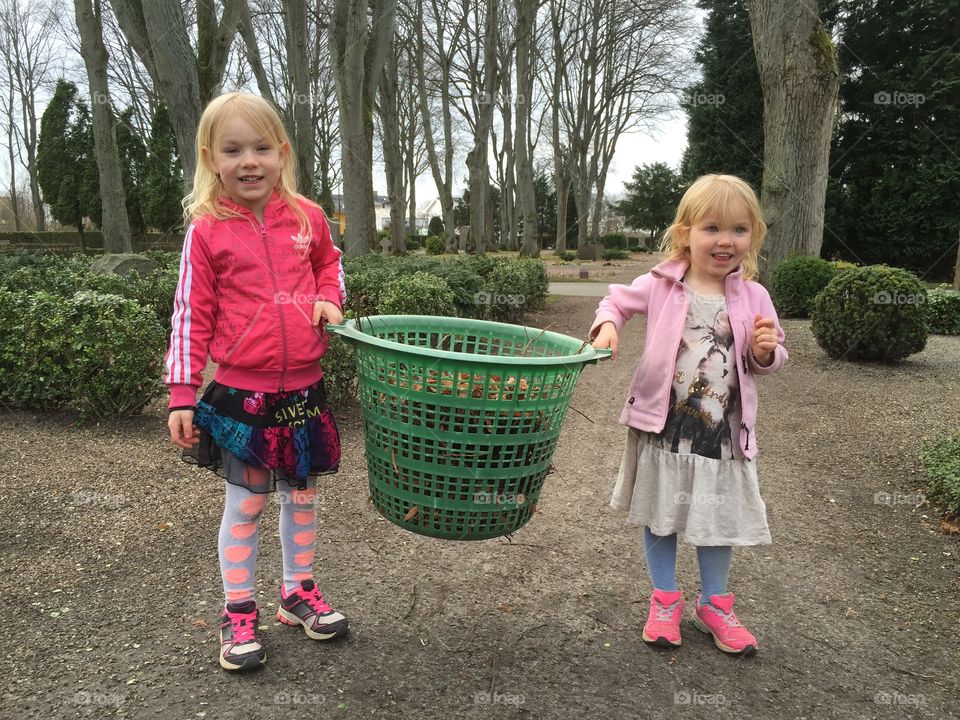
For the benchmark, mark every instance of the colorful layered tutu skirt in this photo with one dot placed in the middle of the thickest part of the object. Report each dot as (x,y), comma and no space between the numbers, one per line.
(292,434)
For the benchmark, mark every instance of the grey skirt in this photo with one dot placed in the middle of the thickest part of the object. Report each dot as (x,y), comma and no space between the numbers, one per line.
(707,501)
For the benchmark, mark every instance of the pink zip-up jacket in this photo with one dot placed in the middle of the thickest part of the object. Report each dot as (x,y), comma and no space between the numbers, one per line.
(660,295)
(246,295)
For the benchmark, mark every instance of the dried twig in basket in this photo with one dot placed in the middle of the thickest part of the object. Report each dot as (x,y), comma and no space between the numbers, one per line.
(526,347)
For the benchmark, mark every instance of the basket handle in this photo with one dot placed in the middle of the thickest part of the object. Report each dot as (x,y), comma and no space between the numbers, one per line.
(602,354)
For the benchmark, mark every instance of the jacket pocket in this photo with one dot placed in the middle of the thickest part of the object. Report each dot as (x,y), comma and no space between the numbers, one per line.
(237,340)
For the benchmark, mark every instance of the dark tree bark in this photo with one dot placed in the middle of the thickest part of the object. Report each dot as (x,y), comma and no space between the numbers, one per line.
(115,225)
(798,70)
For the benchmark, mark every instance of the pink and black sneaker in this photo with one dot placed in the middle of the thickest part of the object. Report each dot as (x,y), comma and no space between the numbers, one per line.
(663,621)
(240,647)
(307,608)
(717,618)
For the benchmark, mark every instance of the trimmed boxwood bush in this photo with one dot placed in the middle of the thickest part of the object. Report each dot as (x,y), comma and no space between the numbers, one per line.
(614,241)
(871,313)
(943,310)
(99,354)
(33,372)
(941,461)
(339,371)
(795,282)
(418,294)
(114,348)
(435,245)
(615,254)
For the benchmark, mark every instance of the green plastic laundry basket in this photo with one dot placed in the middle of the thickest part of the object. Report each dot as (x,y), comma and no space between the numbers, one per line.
(461,418)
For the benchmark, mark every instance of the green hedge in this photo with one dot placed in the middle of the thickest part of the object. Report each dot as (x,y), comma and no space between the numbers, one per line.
(96,353)
(941,462)
(943,310)
(871,313)
(795,282)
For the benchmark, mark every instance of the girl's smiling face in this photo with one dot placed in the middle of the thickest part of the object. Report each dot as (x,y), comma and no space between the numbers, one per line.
(247,163)
(718,242)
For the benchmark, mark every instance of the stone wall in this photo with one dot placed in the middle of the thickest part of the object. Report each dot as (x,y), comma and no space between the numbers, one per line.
(67,243)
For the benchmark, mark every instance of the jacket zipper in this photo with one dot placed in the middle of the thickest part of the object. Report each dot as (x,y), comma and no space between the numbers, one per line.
(283,328)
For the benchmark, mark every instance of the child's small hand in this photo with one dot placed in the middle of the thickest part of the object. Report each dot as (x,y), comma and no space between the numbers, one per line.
(326,310)
(764,339)
(182,433)
(607,338)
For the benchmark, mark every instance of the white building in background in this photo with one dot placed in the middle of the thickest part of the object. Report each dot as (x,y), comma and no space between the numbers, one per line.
(381,211)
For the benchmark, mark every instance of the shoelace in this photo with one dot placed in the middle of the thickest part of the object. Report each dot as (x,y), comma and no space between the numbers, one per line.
(665,612)
(316,602)
(242,625)
(730,620)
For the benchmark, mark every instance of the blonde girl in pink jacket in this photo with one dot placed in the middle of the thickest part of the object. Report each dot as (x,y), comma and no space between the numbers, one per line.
(259,277)
(689,463)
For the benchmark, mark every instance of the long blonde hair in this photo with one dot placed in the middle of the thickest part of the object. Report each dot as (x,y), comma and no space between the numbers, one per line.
(715,195)
(204,199)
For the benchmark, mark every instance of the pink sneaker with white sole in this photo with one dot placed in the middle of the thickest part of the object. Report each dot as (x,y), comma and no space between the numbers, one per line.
(717,618)
(663,621)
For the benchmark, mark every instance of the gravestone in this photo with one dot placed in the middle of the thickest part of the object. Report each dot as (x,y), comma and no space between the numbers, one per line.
(386,245)
(123,264)
(463,233)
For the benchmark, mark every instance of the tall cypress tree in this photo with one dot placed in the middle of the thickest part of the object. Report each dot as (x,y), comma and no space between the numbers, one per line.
(895,163)
(54,161)
(133,156)
(725,108)
(82,144)
(163,176)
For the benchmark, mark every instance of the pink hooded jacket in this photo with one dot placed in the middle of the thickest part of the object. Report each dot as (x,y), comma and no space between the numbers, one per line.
(661,296)
(246,295)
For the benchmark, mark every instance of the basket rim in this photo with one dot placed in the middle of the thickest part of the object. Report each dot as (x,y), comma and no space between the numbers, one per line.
(348,330)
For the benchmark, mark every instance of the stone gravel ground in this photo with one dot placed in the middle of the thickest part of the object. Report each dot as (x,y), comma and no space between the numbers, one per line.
(109,587)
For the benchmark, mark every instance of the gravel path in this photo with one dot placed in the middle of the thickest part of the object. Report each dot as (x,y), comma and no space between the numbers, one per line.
(110,586)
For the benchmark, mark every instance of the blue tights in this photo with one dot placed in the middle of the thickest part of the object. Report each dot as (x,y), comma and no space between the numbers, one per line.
(661,554)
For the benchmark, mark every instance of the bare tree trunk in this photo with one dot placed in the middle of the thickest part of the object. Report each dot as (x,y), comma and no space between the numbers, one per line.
(245,28)
(11,150)
(557,8)
(956,272)
(797,63)
(157,31)
(442,175)
(213,43)
(526,194)
(477,162)
(359,52)
(116,228)
(295,23)
(393,162)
